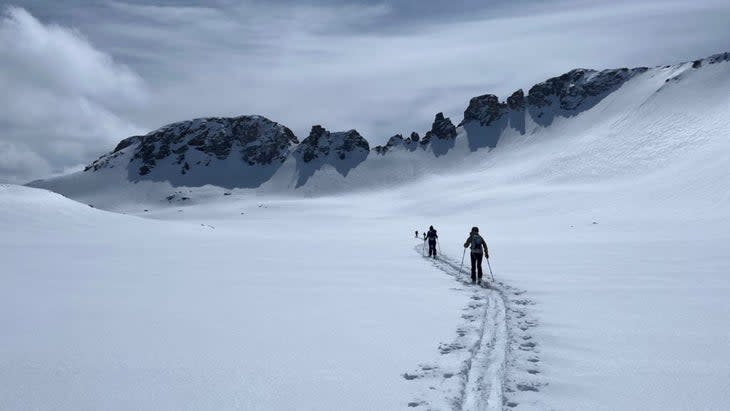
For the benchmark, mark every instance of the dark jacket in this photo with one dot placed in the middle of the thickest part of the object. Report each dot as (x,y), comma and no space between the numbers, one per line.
(477,244)
(432,236)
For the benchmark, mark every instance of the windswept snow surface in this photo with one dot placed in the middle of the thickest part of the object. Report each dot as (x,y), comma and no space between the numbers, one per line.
(608,234)
(289,306)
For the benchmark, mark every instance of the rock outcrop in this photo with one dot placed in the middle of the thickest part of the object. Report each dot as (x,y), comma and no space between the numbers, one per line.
(397,141)
(253,140)
(342,150)
(516,101)
(484,110)
(578,88)
(322,144)
(442,129)
(487,109)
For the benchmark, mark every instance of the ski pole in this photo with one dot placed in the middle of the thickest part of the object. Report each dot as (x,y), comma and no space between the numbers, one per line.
(490,269)
(423,249)
(438,244)
(462,261)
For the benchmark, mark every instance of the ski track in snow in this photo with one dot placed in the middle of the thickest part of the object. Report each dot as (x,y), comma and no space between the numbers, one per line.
(493,363)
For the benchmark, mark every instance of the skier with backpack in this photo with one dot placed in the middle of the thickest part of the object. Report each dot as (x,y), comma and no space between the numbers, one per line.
(479,250)
(432,236)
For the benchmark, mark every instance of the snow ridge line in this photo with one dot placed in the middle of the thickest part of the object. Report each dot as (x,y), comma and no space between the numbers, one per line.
(493,363)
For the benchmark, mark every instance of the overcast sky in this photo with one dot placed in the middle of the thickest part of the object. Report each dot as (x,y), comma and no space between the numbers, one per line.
(79,75)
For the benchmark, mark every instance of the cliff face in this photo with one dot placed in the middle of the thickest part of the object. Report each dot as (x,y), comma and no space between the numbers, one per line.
(322,144)
(342,150)
(575,91)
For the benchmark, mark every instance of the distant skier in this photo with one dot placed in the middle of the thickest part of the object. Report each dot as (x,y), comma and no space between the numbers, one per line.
(432,237)
(478,251)
(416,233)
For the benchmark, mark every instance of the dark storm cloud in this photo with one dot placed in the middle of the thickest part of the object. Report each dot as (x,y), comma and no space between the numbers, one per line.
(381,67)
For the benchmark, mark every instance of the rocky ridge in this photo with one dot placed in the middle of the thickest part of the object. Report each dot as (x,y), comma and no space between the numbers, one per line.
(257,141)
(322,144)
(254,140)
(442,128)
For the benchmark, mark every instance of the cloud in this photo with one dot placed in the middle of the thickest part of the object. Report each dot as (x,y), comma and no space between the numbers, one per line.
(59,98)
(382,68)
(385,68)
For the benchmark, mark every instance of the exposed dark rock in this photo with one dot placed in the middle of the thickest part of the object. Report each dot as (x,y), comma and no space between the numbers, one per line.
(352,140)
(342,150)
(395,141)
(442,128)
(321,143)
(105,161)
(484,109)
(576,87)
(516,101)
(255,140)
(410,143)
(127,142)
(311,146)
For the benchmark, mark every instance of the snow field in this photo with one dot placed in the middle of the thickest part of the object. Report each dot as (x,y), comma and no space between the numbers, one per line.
(138,313)
(608,236)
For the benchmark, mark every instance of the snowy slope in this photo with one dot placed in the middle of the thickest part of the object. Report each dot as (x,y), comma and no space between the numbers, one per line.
(277,309)
(608,228)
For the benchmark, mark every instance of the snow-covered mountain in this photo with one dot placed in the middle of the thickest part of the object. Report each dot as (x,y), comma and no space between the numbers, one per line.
(245,150)
(604,198)
(252,152)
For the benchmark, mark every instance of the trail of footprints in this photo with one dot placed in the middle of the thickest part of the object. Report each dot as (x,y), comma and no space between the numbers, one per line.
(458,379)
(524,377)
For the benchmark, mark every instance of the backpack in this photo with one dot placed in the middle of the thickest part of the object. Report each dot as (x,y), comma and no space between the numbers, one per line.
(476,243)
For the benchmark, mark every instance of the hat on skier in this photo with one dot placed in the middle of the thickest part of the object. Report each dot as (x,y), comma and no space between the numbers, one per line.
(475,229)
(431,228)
